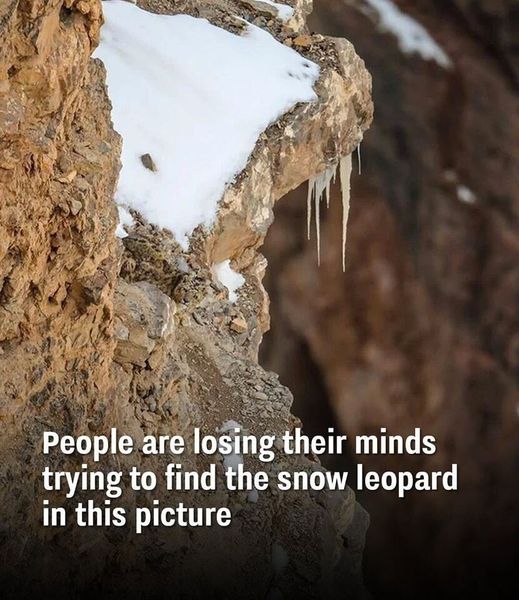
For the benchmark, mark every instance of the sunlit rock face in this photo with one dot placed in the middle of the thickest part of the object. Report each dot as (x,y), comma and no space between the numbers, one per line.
(140,335)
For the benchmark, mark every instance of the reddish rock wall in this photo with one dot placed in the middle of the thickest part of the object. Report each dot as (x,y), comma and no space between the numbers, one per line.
(423,329)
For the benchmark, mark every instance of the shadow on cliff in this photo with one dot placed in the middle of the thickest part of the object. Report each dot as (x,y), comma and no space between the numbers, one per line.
(423,329)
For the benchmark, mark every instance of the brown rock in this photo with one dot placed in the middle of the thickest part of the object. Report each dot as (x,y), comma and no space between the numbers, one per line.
(422,330)
(87,346)
(68,178)
(148,162)
(303,41)
(239,325)
(144,316)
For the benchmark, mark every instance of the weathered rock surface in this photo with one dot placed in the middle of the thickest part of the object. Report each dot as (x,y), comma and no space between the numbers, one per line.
(422,330)
(95,335)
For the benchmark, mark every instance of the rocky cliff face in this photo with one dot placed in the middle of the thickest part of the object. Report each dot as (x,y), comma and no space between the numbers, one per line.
(139,336)
(422,330)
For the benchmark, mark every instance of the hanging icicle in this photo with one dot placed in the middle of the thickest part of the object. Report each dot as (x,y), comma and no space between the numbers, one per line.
(311,185)
(321,185)
(345,169)
(317,187)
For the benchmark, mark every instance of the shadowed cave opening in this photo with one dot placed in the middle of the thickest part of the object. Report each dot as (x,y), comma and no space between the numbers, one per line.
(283,350)
(297,288)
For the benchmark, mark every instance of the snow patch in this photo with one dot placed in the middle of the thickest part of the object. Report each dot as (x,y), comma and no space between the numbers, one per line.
(230,279)
(125,221)
(233,460)
(412,37)
(190,101)
(230,426)
(465,194)
(285,13)
(182,265)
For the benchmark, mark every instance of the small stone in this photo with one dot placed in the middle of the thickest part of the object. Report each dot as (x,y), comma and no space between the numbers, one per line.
(239,325)
(121,332)
(65,164)
(63,206)
(147,161)
(87,153)
(155,359)
(105,147)
(303,41)
(260,396)
(76,207)
(198,318)
(288,42)
(83,7)
(82,184)
(69,178)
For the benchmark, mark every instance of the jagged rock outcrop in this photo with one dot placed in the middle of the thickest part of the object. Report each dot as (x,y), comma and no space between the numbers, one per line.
(422,330)
(139,336)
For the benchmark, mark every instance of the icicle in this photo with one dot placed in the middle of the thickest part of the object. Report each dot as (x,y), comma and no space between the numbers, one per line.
(317,187)
(318,227)
(345,170)
(311,188)
(359,158)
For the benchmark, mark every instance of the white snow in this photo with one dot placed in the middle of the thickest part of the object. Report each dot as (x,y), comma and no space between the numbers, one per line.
(125,220)
(232,460)
(232,280)
(195,98)
(285,13)
(230,426)
(465,194)
(412,37)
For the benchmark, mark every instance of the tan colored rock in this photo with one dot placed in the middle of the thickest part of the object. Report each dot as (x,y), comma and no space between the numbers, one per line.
(303,41)
(86,324)
(314,135)
(261,7)
(143,317)
(239,325)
